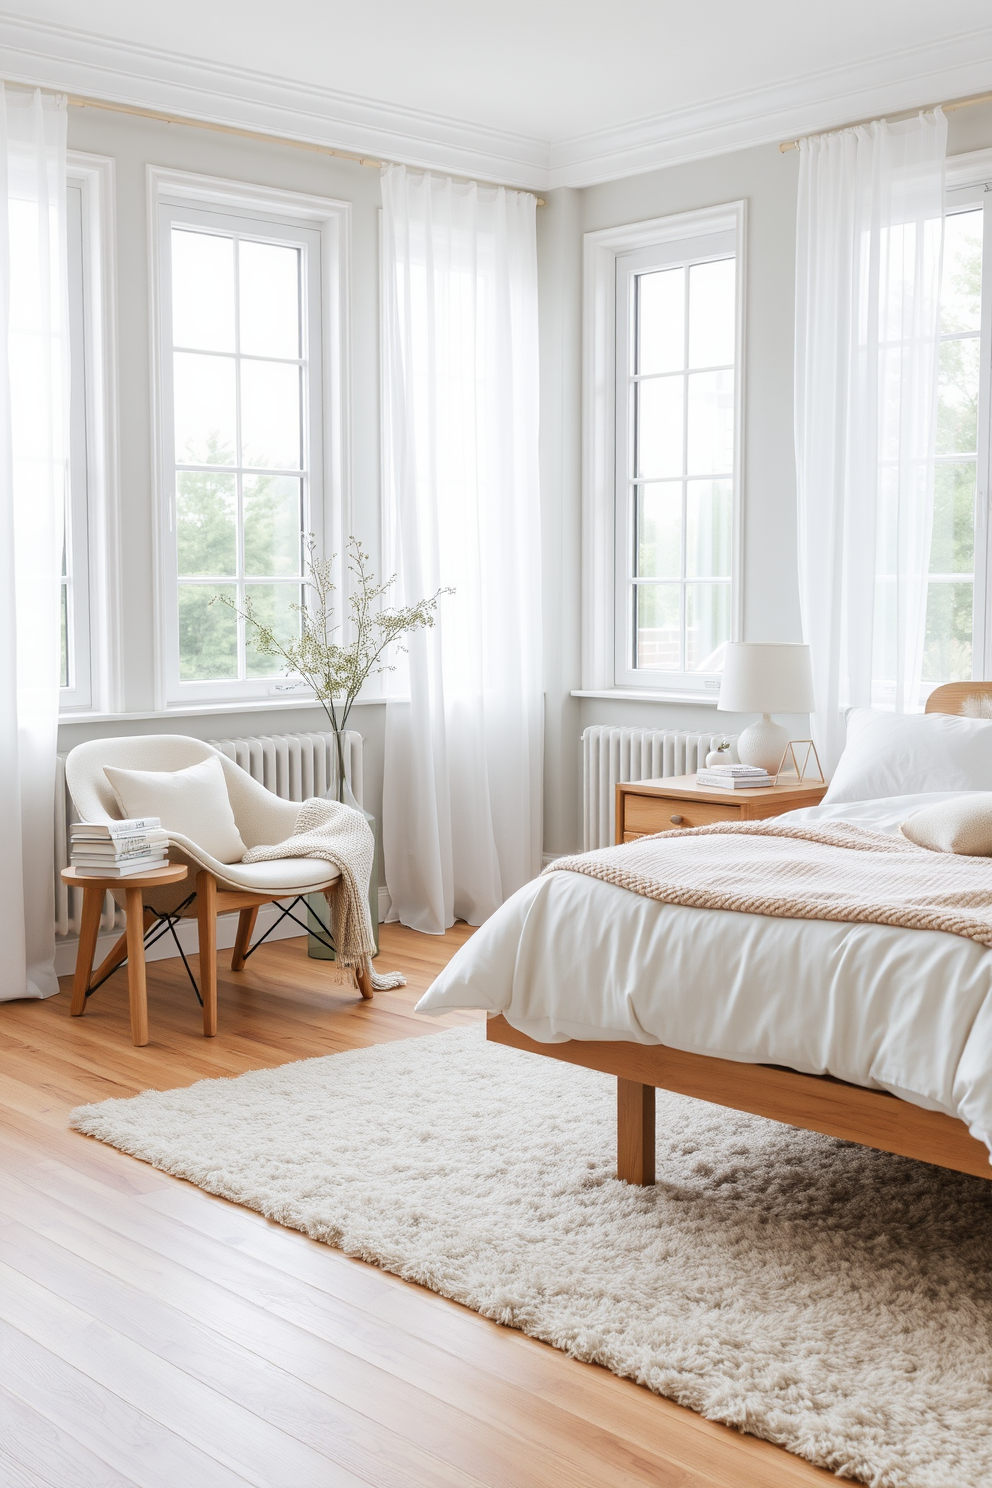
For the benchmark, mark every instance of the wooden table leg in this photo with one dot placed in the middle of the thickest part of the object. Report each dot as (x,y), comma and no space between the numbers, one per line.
(89,929)
(136,988)
(635,1132)
(118,954)
(206,921)
(242,941)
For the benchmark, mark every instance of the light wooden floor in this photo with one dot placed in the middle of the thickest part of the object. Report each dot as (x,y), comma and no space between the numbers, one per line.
(155,1336)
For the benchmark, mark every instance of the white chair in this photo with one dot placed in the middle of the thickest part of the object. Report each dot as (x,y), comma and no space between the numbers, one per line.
(261,817)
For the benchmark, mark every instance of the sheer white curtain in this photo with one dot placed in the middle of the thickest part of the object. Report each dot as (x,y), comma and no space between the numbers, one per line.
(869,240)
(462,783)
(34,389)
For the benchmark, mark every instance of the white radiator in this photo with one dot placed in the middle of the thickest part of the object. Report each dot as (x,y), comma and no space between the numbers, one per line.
(294,766)
(610,755)
(297,766)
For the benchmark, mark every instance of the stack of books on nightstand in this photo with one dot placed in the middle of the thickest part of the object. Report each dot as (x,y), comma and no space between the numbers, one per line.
(118,849)
(733,777)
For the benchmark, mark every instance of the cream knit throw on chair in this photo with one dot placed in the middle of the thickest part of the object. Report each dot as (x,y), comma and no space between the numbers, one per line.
(340,835)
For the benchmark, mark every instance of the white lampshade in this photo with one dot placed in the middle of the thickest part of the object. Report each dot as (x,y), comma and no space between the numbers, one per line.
(766,678)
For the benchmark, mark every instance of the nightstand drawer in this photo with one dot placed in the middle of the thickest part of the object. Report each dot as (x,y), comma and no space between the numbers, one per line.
(646,814)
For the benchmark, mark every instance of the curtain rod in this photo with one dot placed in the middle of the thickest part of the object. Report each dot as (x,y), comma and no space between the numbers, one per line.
(272,139)
(949,108)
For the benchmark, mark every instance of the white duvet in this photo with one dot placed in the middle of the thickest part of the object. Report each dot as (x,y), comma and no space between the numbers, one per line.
(909,1011)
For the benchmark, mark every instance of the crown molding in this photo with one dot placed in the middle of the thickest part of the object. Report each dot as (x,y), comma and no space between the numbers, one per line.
(40,54)
(965,172)
(907,78)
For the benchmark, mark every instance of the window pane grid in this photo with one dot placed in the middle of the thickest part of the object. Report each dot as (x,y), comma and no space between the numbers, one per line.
(65,669)
(245,356)
(237,489)
(681,431)
(952,646)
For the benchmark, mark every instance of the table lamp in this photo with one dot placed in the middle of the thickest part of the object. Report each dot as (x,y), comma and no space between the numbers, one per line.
(766,678)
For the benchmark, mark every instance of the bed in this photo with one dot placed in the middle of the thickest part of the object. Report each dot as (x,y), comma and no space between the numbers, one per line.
(871,1033)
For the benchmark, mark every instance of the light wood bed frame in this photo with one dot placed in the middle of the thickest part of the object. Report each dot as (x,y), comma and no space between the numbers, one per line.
(814,1102)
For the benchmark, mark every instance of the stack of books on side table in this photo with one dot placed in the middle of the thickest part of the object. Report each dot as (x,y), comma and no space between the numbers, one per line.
(118,849)
(733,777)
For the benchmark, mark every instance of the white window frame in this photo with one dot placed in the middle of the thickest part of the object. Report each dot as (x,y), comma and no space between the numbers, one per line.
(92,516)
(604,642)
(969,185)
(325,225)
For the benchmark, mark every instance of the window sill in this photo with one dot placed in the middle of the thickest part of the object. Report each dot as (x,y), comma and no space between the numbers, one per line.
(205,710)
(708,699)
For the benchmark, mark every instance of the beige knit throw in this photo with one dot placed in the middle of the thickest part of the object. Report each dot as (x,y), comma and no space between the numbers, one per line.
(338,834)
(831,871)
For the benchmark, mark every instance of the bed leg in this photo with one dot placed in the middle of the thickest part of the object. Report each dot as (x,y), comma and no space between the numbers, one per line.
(635,1132)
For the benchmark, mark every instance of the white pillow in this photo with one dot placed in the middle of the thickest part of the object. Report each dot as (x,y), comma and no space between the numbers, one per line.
(896,754)
(192,803)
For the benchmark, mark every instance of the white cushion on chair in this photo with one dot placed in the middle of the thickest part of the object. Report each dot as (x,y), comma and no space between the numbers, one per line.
(193,803)
(288,875)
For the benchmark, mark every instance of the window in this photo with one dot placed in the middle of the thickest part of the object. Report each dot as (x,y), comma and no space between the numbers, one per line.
(677,343)
(957,627)
(662,485)
(90,579)
(75,681)
(243,345)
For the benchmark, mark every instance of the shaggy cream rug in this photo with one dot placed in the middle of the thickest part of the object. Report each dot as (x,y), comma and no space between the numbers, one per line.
(832,1299)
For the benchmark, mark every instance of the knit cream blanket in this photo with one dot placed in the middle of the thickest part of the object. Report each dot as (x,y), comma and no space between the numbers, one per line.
(828,871)
(338,834)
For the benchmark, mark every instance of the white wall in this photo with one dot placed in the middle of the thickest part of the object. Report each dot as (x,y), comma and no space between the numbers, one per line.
(133,143)
(768,179)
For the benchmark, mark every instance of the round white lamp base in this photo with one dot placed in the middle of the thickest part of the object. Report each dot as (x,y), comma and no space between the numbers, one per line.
(763,744)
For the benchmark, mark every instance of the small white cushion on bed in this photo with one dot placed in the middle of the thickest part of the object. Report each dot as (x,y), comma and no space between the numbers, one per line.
(960,826)
(193,803)
(893,754)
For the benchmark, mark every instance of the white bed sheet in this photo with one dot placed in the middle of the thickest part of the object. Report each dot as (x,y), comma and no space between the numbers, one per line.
(909,1011)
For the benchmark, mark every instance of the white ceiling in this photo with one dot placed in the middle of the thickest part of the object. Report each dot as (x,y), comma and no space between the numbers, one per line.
(535,92)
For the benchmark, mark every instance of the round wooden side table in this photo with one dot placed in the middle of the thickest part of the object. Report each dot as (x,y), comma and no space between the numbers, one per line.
(131,945)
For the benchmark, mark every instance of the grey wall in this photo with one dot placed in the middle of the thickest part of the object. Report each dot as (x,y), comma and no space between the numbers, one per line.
(559,239)
(764,176)
(768,180)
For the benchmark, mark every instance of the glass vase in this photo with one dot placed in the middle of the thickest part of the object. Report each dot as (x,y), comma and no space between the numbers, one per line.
(318,911)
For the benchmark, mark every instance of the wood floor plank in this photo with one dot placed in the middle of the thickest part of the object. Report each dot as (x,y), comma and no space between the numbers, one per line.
(14,1474)
(216,1426)
(102,1422)
(166,1310)
(451,1328)
(344,1300)
(243,1370)
(392,1379)
(58,1458)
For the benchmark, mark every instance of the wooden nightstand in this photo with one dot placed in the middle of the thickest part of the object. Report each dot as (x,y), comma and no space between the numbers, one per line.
(646,806)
